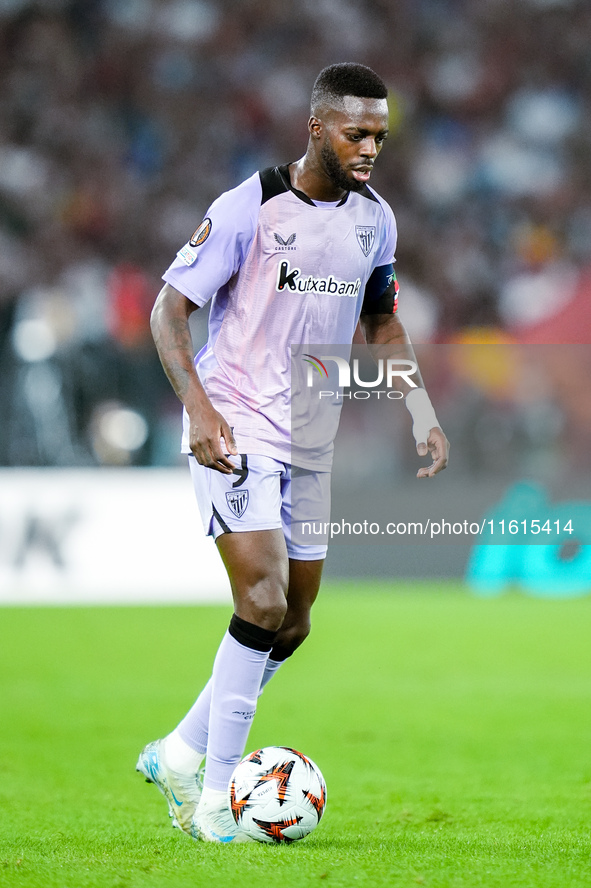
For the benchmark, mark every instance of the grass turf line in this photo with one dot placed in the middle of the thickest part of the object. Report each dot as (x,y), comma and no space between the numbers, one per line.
(454,735)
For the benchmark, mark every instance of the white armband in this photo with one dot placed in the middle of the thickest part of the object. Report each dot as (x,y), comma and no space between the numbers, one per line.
(422,412)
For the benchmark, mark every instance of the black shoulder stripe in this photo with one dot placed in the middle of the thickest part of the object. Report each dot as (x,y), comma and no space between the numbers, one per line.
(272,183)
(276,180)
(284,173)
(367,193)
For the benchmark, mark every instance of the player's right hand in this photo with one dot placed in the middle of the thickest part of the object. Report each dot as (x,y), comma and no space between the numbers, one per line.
(206,434)
(438,446)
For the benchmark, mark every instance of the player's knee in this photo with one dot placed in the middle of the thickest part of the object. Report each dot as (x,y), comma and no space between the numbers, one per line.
(269,615)
(263,606)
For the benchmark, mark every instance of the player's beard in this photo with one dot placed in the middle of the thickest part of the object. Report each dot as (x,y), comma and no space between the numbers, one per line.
(336,172)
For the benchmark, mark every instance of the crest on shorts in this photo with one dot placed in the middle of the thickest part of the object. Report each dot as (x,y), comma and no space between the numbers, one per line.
(238,501)
(366,235)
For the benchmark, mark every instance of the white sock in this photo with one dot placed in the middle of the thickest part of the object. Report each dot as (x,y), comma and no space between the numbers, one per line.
(271,668)
(236,680)
(193,729)
(180,756)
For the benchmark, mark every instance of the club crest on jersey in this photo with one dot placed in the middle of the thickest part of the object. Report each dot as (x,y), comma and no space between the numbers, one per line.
(201,234)
(237,501)
(366,235)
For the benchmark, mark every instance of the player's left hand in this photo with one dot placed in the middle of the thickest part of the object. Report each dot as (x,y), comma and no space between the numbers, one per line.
(438,446)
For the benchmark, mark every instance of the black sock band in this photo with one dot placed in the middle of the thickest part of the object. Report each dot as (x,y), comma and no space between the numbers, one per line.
(251,635)
(279,653)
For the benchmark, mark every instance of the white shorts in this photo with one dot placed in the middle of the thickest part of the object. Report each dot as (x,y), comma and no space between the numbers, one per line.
(265,494)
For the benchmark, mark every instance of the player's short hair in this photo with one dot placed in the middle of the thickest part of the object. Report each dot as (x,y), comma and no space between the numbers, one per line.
(346,79)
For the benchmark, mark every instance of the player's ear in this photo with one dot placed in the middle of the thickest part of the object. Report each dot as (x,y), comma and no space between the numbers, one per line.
(315,127)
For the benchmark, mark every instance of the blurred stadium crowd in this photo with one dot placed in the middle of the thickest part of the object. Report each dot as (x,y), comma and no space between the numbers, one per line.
(121,121)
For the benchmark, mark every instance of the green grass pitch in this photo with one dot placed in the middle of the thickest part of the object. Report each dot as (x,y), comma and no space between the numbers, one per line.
(454,734)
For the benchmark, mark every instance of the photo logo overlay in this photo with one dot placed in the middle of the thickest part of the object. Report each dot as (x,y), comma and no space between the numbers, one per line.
(317,364)
(387,370)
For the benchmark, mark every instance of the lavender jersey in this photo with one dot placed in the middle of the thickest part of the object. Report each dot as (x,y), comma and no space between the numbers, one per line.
(282,270)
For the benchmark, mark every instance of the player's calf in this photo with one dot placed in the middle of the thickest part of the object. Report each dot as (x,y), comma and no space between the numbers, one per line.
(289,638)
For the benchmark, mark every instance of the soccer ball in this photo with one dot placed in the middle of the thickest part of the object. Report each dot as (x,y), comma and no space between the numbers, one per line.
(277,795)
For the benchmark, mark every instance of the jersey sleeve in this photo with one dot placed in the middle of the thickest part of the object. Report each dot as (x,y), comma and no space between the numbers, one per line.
(219,245)
(381,290)
(387,249)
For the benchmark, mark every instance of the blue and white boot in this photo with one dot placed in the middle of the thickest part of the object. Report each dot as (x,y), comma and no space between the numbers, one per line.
(213,820)
(181,791)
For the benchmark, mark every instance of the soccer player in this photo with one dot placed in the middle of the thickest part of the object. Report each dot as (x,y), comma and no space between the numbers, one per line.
(295,254)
